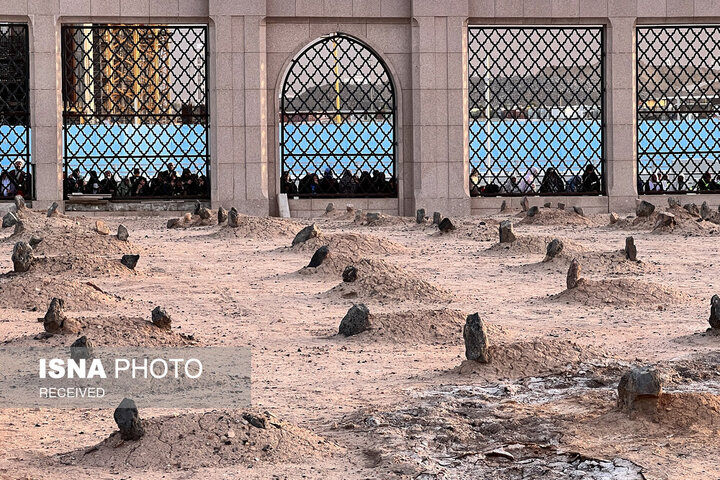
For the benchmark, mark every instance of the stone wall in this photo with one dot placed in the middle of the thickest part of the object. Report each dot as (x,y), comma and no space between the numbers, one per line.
(423,43)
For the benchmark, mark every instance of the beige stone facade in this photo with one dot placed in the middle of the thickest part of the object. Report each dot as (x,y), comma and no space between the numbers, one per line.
(424,44)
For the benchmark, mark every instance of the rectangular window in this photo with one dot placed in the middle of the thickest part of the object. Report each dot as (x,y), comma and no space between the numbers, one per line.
(536,110)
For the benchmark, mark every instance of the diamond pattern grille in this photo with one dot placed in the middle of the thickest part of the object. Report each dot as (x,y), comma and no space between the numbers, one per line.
(678,109)
(337,117)
(15,168)
(536,110)
(135,114)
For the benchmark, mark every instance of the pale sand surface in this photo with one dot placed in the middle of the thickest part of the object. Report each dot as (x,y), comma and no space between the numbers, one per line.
(397,401)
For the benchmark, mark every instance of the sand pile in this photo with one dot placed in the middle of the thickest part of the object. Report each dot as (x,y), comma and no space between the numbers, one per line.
(533,358)
(114,331)
(685,409)
(594,263)
(85,265)
(66,236)
(686,223)
(622,293)
(28,292)
(554,216)
(190,220)
(261,228)
(352,245)
(534,244)
(211,439)
(333,265)
(430,326)
(383,220)
(380,280)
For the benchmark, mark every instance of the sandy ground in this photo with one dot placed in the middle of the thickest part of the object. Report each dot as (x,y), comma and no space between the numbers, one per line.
(398,401)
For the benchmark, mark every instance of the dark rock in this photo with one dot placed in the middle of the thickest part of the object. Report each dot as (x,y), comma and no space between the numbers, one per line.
(233,218)
(173,222)
(420,215)
(532,211)
(306,234)
(254,420)
(161,319)
(101,228)
(130,261)
(437,218)
(503,206)
(692,209)
(349,208)
(372,216)
(9,220)
(446,225)
(198,206)
(673,202)
(525,204)
(349,275)
(52,211)
(579,211)
(222,215)
(547,205)
(54,321)
(476,339)
(630,249)
(330,207)
(644,209)
(355,321)
(665,219)
(573,275)
(128,421)
(122,233)
(82,348)
(705,211)
(35,241)
(561,206)
(715,312)
(614,218)
(19,202)
(22,257)
(19,228)
(204,213)
(507,235)
(319,256)
(553,249)
(639,390)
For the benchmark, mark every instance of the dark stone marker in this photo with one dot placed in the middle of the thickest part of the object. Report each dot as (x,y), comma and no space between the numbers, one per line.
(122,233)
(305,234)
(222,215)
(715,312)
(446,225)
(553,249)
(82,348)
(579,211)
(233,218)
(639,390)
(573,275)
(130,261)
(55,318)
(644,209)
(532,211)
(22,257)
(355,321)
(53,209)
(319,256)
(420,215)
(630,249)
(507,235)
(476,339)
(349,275)
(161,319)
(128,421)
(437,218)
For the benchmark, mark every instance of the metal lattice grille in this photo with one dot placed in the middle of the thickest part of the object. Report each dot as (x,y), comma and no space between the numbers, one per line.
(135,115)
(678,101)
(536,110)
(15,168)
(337,117)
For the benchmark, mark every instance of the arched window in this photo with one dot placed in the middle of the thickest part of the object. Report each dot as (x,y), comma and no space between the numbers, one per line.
(337,122)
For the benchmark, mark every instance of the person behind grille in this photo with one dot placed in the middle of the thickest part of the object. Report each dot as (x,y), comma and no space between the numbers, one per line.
(348,182)
(309,184)
(653,184)
(365,184)
(137,178)
(590,180)
(328,184)
(527,184)
(108,184)
(511,185)
(706,183)
(93,184)
(21,179)
(680,184)
(124,190)
(74,183)
(380,185)
(287,185)
(7,187)
(552,183)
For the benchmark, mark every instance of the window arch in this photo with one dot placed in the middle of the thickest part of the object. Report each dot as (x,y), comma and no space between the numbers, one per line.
(337,122)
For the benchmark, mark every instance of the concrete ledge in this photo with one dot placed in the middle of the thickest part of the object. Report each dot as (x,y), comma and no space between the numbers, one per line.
(313,207)
(660,201)
(488,205)
(149,207)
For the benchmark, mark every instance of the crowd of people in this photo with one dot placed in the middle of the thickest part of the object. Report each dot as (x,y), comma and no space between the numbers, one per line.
(165,183)
(660,183)
(16,182)
(348,184)
(531,183)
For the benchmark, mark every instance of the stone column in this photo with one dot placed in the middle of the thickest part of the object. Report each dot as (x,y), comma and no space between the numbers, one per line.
(439,145)
(45,94)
